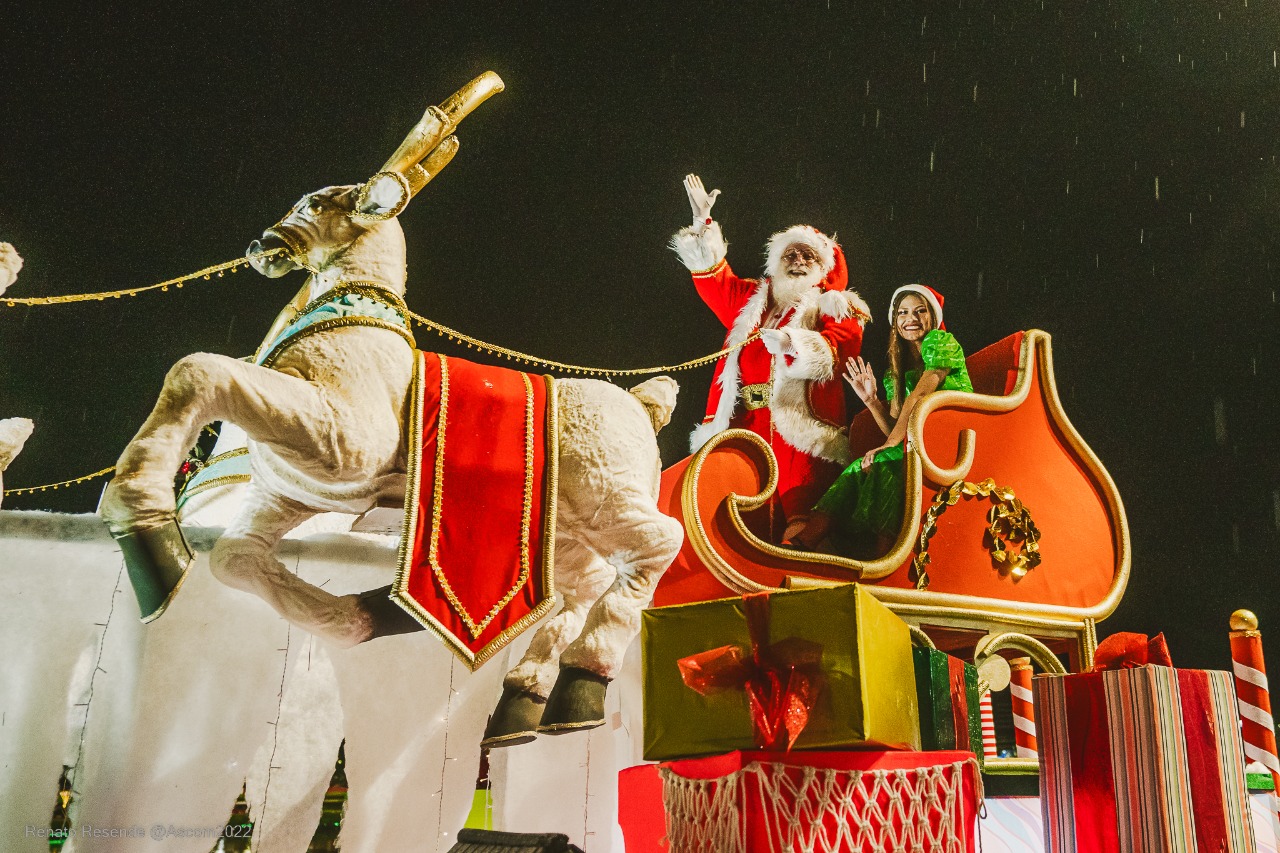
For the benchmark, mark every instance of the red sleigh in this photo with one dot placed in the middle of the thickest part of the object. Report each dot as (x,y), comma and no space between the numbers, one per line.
(985,593)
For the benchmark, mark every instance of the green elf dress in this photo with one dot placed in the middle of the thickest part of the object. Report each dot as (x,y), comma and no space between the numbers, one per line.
(867,505)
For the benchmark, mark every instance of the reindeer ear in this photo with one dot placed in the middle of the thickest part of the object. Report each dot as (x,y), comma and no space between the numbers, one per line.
(383,196)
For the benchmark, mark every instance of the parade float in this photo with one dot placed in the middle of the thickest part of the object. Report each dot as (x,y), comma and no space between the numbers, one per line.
(775,699)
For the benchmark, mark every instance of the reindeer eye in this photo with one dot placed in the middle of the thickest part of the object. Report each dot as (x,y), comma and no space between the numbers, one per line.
(314,206)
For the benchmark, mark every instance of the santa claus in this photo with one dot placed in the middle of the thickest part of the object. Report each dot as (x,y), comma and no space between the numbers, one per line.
(785,385)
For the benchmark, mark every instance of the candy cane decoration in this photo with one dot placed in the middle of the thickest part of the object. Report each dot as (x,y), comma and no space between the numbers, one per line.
(1024,715)
(1257,726)
(988,727)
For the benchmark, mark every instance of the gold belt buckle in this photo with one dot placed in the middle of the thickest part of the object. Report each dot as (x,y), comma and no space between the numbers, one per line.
(755,396)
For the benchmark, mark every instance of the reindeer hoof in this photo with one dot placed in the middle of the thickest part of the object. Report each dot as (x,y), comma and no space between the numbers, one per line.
(157,559)
(576,702)
(386,617)
(515,719)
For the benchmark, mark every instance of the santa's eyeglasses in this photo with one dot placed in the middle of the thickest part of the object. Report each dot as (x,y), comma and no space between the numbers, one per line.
(799,253)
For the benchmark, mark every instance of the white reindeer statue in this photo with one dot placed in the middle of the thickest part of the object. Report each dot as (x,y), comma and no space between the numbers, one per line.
(326,426)
(14,432)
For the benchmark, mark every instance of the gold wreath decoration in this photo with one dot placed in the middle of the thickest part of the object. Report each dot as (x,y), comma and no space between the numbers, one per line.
(1008,521)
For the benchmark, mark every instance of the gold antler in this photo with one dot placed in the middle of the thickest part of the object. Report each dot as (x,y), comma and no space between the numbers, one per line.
(425,151)
(439,122)
(421,173)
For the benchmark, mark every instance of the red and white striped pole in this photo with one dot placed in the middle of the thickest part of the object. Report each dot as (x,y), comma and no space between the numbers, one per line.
(1257,726)
(1024,715)
(988,728)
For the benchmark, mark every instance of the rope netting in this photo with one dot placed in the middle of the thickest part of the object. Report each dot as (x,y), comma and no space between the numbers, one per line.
(799,809)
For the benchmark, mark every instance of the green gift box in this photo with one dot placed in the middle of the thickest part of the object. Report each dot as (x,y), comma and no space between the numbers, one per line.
(949,702)
(862,672)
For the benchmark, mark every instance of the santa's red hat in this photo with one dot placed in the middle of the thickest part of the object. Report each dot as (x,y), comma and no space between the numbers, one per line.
(804,235)
(931,297)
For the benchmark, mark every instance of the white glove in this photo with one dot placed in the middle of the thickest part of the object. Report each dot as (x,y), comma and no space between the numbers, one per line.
(777,341)
(700,201)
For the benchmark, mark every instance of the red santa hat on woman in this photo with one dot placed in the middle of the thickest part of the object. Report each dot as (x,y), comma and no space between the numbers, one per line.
(931,297)
(806,235)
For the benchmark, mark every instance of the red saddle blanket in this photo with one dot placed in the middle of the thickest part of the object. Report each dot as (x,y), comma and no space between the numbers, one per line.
(477,548)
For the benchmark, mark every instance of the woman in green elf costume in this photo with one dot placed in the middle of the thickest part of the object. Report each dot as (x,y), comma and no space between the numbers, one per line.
(862,511)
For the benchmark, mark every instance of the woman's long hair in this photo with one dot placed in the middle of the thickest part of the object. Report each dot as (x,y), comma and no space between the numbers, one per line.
(896,354)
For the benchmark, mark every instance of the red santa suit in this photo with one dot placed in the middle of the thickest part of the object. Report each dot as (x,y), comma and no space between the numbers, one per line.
(792,400)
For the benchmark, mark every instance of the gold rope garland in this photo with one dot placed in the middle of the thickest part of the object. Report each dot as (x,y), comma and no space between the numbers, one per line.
(1007,521)
(217,269)
(443,331)
(86,478)
(455,336)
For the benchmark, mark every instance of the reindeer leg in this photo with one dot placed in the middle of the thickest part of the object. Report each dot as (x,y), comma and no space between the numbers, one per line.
(244,559)
(630,532)
(201,388)
(581,576)
(139,503)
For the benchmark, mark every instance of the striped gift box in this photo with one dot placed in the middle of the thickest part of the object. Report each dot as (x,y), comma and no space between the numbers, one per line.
(1145,759)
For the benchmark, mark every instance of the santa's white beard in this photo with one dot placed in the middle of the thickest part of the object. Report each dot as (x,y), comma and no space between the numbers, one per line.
(787,291)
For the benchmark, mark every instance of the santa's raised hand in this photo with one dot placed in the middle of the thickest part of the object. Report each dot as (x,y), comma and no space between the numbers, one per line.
(700,201)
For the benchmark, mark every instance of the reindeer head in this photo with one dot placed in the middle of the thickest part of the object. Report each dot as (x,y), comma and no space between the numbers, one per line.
(321,228)
(324,224)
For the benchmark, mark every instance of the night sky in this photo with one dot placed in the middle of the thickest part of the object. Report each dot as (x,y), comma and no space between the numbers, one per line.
(1105,171)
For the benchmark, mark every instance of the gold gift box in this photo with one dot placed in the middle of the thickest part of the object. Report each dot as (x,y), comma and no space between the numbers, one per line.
(868,695)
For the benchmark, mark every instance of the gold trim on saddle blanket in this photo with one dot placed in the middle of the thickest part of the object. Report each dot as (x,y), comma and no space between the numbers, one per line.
(400,588)
(437,508)
(188,491)
(334,323)
(207,485)
(368,289)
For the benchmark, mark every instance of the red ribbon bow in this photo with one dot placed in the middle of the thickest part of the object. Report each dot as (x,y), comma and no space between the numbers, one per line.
(782,680)
(1129,651)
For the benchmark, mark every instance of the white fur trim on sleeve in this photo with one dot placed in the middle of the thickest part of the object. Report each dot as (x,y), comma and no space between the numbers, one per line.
(700,252)
(843,304)
(813,360)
